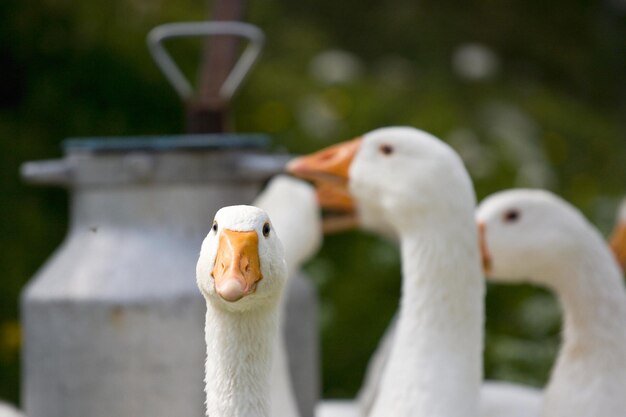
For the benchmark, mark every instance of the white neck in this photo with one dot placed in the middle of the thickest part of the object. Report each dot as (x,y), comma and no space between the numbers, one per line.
(283,398)
(239,356)
(590,373)
(435,365)
(594,302)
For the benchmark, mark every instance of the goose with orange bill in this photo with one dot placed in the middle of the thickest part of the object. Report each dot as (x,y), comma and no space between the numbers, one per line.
(410,182)
(406,184)
(535,236)
(241,273)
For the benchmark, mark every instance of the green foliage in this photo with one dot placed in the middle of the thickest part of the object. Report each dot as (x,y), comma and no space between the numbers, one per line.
(553,111)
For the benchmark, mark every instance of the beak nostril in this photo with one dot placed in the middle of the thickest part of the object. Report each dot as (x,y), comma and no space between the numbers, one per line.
(485,256)
(237,263)
(325,157)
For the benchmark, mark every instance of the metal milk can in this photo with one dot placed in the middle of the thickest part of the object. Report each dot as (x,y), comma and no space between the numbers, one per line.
(113,321)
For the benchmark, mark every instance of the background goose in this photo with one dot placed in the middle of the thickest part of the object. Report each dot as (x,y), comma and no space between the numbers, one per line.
(496,398)
(532,235)
(241,272)
(410,181)
(292,206)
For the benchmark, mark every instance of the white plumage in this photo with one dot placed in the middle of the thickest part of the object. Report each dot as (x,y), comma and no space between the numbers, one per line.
(293,208)
(404,179)
(240,333)
(417,186)
(532,235)
(295,214)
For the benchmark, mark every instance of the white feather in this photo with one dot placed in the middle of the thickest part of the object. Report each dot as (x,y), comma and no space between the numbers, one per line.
(292,205)
(423,192)
(240,336)
(550,243)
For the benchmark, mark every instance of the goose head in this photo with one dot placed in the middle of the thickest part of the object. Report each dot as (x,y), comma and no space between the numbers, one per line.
(618,238)
(389,177)
(292,204)
(531,235)
(241,263)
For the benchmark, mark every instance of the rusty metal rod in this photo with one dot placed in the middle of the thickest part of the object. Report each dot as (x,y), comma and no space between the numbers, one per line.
(209,112)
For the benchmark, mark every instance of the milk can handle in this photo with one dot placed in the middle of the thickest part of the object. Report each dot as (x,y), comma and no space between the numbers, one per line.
(47,172)
(176,30)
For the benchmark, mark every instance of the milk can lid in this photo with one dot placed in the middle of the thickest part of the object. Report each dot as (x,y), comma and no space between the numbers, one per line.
(221,141)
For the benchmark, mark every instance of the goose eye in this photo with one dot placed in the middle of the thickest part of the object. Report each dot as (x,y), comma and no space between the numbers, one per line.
(511,216)
(214,227)
(386,149)
(266,229)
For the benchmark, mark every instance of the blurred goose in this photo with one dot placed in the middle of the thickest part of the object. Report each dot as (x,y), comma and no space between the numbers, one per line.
(241,273)
(618,239)
(7,410)
(292,206)
(330,170)
(532,235)
(409,181)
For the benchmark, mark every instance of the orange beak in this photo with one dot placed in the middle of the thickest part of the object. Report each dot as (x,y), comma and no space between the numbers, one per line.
(340,211)
(329,169)
(237,268)
(618,244)
(330,164)
(485,256)
(333,196)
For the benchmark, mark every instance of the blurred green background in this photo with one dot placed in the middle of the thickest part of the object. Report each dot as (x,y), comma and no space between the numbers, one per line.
(530,92)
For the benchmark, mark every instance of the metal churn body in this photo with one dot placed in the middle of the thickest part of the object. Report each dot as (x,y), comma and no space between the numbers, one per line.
(113,322)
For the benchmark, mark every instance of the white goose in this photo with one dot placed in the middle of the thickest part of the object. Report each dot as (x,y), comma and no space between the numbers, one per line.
(331,170)
(292,206)
(532,235)
(241,272)
(618,239)
(411,182)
